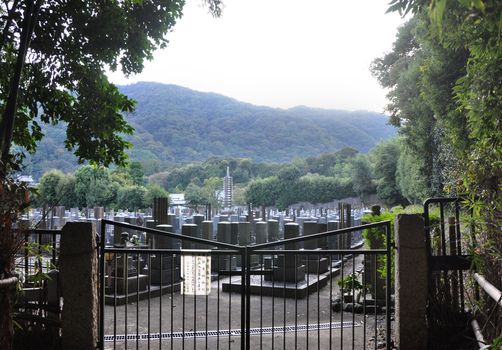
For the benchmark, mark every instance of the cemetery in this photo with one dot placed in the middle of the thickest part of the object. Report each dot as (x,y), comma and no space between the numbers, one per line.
(144,268)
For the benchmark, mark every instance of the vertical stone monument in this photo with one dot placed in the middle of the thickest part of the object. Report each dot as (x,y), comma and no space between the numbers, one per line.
(315,263)
(226,262)
(164,267)
(289,268)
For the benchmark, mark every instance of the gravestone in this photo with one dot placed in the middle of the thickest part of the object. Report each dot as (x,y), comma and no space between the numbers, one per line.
(288,267)
(164,267)
(273,230)
(315,263)
(261,234)
(225,262)
(191,231)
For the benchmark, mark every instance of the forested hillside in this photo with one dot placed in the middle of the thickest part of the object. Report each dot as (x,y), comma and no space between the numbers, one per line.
(176,125)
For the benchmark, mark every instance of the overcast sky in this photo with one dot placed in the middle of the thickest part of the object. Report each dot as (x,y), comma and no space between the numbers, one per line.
(279,53)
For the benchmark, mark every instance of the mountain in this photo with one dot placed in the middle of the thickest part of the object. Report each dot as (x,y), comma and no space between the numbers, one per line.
(174,124)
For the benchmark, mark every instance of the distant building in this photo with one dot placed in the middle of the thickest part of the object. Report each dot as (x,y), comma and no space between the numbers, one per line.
(27,179)
(228,190)
(177,199)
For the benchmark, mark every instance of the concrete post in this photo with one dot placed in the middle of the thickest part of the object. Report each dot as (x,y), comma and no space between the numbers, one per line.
(411,282)
(79,278)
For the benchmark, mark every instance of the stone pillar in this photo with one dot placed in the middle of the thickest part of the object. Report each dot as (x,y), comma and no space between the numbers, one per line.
(411,282)
(172,220)
(197,219)
(261,232)
(226,262)
(273,230)
(117,239)
(234,232)
(99,213)
(288,268)
(78,267)
(164,267)
(163,242)
(150,238)
(315,263)
(244,233)
(207,231)
(160,208)
(191,231)
(333,239)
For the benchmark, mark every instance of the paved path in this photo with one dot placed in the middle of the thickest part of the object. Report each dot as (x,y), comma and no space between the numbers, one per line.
(166,313)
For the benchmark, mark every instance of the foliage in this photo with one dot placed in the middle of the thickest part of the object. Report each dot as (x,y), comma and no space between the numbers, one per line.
(93,187)
(409,178)
(459,55)
(385,157)
(37,251)
(195,196)
(154,191)
(350,283)
(49,187)
(362,179)
(135,170)
(13,200)
(132,198)
(376,238)
(313,188)
(176,125)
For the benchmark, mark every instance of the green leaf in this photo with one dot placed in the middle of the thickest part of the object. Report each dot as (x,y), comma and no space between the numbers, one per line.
(437,8)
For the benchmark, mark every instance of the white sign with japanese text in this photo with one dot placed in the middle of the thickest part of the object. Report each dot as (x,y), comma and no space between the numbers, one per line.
(196,272)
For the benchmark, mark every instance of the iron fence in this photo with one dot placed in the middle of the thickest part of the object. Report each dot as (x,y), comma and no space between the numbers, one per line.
(262,296)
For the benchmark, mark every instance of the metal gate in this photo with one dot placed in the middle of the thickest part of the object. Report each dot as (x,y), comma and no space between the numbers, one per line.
(264,296)
(448,235)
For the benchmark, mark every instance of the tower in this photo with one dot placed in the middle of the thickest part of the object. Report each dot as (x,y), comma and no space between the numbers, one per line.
(228,191)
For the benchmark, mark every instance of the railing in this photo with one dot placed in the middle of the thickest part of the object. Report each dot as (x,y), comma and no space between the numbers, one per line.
(44,251)
(39,304)
(496,296)
(261,296)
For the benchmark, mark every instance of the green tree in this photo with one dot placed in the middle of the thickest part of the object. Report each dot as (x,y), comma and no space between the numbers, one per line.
(263,192)
(132,198)
(213,187)
(68,45)
(49,189)
(93,187)
(385,156)
(154,191)
(67,189)
(135,170)
(459,77)
(195,195)
(362,180)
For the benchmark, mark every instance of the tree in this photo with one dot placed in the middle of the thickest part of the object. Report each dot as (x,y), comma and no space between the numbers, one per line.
(132,198)
(362,180)
(213,187)
(52,70)
(67,189)
(49,189)
(195,195)
(385,156)
(93,187)
(154,191)
(263,192)
(69,45)
(135,170)
(460,84)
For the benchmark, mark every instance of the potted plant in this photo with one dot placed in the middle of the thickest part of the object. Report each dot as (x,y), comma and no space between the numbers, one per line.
(349,284)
